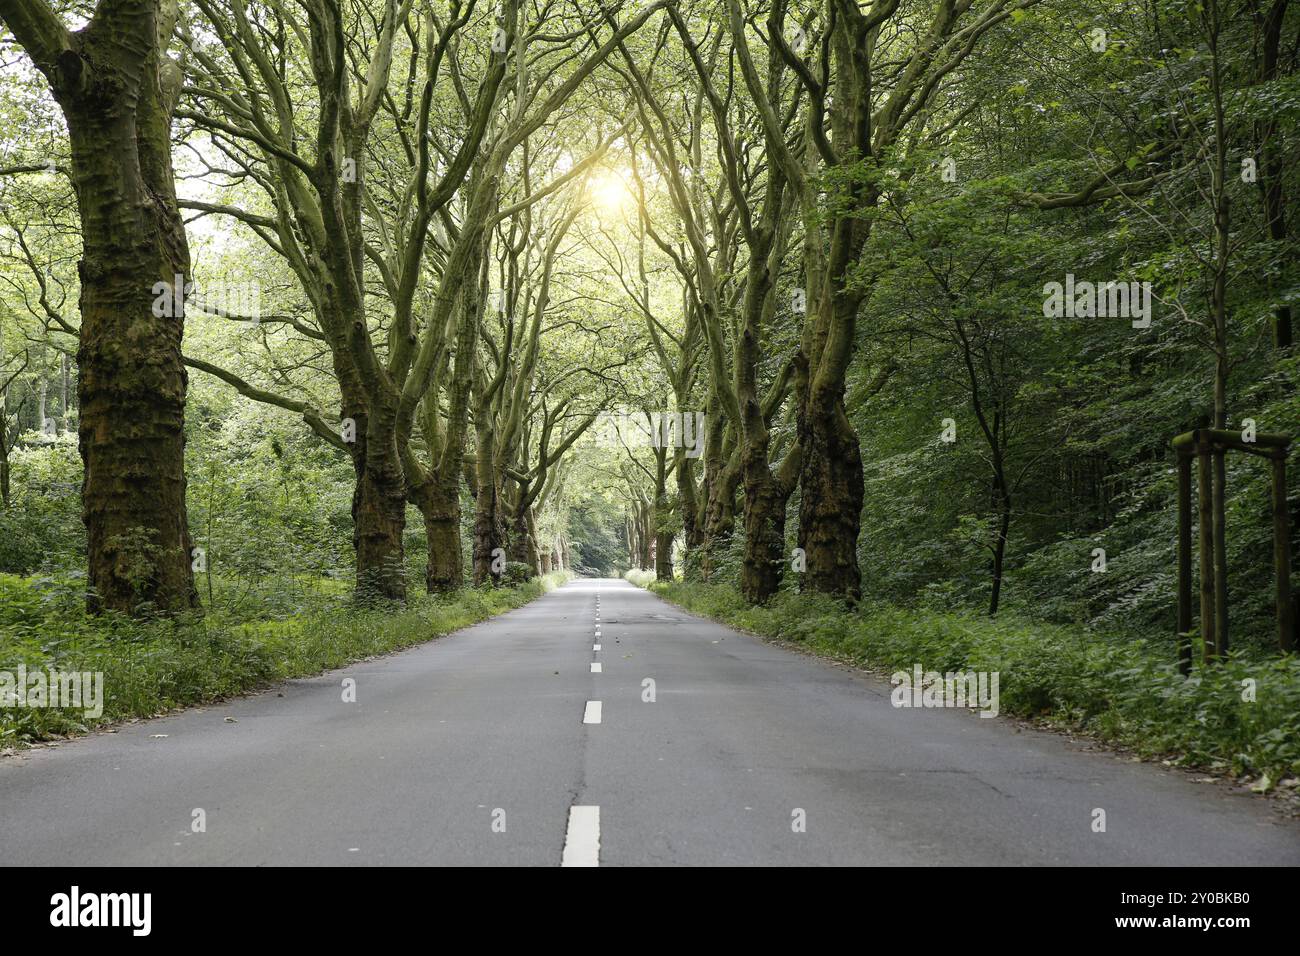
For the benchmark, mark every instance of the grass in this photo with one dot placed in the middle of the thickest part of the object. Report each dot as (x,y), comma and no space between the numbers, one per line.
(639,577)
(1120,690)
(155,666)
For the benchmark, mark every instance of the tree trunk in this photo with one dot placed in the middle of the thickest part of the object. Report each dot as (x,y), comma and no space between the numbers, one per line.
(132,383)
(378,521)
(663,527)
(1219,314)
(661,521)
(487,538)
(4,466)
(830,508)
(760,571)
(523,538)
(663,555)
(716,502)
(489,526)
(1000,549)
(444,571)
(719,518)
(646,536)
(1271,163)
(687,503)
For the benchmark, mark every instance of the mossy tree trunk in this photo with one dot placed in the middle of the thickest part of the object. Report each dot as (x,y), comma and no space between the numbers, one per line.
(117,90)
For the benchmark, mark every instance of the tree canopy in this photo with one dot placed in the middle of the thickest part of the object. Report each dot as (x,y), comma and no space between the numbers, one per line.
(898,301)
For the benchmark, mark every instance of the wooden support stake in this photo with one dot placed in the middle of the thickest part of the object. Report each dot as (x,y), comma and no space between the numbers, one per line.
(1220,498)
(1184,563)
(1204,485)
(1282,556)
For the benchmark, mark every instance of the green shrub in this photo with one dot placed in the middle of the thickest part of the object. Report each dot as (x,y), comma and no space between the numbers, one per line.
(516,572)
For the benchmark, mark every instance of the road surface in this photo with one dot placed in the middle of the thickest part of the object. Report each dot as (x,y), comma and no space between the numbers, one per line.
(483,747)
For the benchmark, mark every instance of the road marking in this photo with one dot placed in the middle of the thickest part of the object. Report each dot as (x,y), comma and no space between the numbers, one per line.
(595,667)
(582,841)
(595,647)
(597,632)
(592,714)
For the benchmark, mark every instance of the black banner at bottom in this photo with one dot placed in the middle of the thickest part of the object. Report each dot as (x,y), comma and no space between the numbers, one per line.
(137,906)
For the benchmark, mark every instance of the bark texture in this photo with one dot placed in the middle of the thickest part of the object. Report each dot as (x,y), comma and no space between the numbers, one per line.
(117,90)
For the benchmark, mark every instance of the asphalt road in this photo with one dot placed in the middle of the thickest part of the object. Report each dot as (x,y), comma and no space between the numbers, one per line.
(482,748)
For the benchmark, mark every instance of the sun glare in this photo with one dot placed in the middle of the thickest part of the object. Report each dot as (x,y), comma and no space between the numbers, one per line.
(610,193)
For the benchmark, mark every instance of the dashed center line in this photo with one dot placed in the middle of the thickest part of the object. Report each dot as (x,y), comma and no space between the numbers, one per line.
(582,841)
(592,714)
(595,647)
(595,667)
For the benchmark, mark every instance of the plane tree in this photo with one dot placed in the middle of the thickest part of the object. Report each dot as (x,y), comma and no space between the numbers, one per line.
(872,78)
(117,87)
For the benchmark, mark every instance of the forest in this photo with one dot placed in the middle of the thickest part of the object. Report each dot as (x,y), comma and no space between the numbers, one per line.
(950,331)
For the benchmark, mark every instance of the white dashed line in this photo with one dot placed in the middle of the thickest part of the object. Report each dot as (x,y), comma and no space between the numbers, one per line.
(595,667)
(582,841)
(595,647)
(592,714)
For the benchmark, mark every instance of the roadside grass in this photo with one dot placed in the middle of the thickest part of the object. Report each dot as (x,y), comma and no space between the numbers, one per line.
(1118,689)
(151,667)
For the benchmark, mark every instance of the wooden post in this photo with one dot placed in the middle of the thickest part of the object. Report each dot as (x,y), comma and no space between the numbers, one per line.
(1282,555)
(1209,446)
(1204,484)
(1184,563)
(1220,551)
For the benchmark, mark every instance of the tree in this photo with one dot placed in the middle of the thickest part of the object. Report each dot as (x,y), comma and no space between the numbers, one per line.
(117,89)
(874,112)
